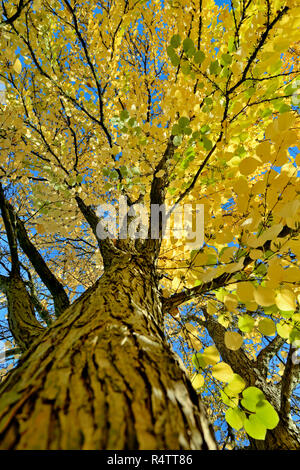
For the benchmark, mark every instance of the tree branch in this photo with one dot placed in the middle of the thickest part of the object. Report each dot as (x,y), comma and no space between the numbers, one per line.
(266,354)
(15,16)
(290,379)
(60,298)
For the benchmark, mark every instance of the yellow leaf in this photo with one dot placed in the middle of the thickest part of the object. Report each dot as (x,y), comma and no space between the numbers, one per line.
(222,372)
(256,254)
(211,308)
(245,291)
(248,165)
(211,355)
(264,296)
(197,381)
(191,329)
(233,340)
(285,121)
(286,300)
(18,66)
(230,302)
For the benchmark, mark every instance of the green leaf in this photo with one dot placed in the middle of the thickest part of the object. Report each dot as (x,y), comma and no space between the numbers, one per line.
(185,68)
(226,59)
(246,323)
(176,129)
(205,129)
(199,57)
(220,294)
(235,418)
(183,122)
(286,314)
(207,143)
(187,130)
(124,115)
(214,67)
(170,51)
(284,108)
(231,46)
(198,361)
(290,89)
(131,122)
(267,327)
(267,414)
(295,335)
(187,44)
(175,60)
(175,41)
(255,428)
(251,396)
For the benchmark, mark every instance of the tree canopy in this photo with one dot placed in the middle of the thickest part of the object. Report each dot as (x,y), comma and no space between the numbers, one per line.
(164,102)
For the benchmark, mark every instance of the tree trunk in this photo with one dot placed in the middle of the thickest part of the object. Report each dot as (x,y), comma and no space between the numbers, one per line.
(103,376)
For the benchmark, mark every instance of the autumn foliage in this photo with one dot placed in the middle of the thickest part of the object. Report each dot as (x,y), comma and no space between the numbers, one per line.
(174,102)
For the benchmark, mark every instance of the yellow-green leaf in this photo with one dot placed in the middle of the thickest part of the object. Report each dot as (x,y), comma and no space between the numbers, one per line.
(267,414)
(211,355)
(197,381)
(235,385)
(246,323)
(286,300)
(267,327)
(255,428)
(222,372)
(235,418)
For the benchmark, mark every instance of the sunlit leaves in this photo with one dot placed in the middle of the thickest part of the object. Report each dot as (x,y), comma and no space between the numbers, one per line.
(222,372)
(246,323)
(199,57)
(255,428)
(163,85)
(211,355)
(18,66)
(267,414)
(197,381)
(286,300)
(259,414)
(235,417)
(251,396)
(264,296)
(198,361)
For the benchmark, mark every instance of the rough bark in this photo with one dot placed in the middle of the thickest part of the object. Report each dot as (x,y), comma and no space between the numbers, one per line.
(103,376)
(23,324)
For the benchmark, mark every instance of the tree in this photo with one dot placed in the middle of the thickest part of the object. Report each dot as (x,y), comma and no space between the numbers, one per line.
(164,106)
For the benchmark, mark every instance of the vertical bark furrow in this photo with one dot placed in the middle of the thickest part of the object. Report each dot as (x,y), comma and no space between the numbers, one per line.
(105,378)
